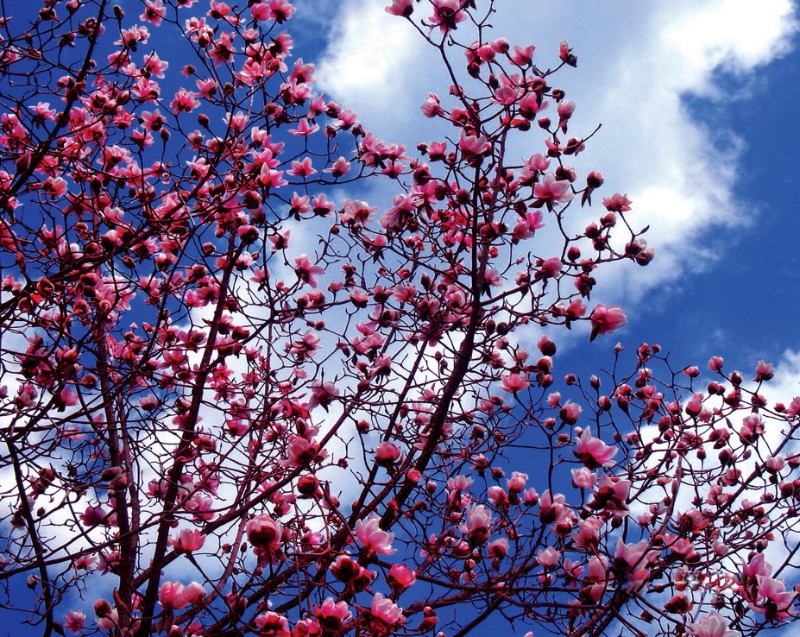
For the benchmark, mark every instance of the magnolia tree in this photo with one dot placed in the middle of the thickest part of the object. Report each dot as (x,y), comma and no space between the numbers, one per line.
(236,402)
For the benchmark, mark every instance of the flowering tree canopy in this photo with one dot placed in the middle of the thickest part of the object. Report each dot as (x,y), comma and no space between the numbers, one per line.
(236,400)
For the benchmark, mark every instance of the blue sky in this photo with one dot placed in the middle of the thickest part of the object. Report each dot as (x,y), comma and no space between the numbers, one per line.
(698,103)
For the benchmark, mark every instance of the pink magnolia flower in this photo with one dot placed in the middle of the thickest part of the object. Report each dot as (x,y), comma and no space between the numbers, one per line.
(473,146)
(478,524)
(170,596)
(386,611)
(332,615)
(593,452)
(194,593)
(402,8)
(711,625)
(631,554)
(498,496)
(75,621)
(188,540)
(583,478)
(154,12)
(773,599)
(431,107)
(107,617)
(516,483)
(522,56)
(552,507)
(339,168)
(617,203)
(570,413)
(302,168)
(447,14)
(548,557)
(265,535)
(273,624)
(764,371)
(514,382)
(587,534)
(498,548)
(304,128)
(551,190)
(93,515)
(612,493)
(373,538)
(550,268)
(606,319)
(400,578)
(386,454)
(306,346)
(356,212)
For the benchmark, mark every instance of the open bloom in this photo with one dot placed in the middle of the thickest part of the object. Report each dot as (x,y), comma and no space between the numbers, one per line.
(473,146)
(712,625)
(583,478)
(548,557)
(593,452)
(333,615)
(773,599)
(402,8)
(273,624)
(75,621)
(514,382)
(386,611)
(265,534)
(170,596)
(478,524)
(606,319)
(188,540)
(400,577)
(552,190)
(374,539)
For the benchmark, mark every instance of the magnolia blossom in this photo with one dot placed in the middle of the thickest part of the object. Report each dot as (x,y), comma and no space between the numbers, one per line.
(265,534)
(75,621)
(170,596)
(478,524)
(583,478)
(403,8)
(606,320)
(188,540)
(711,625)
(773,599)
(516,483)
(386,454)
(373,538)
(570,413)
(400,577)
(473,146)
(386,611)
(332,615)
(552,190)
(511,382)
(498,548)
(548,557)
(552,507)
(631,554)
(306,271)
(273,624)
(593,452)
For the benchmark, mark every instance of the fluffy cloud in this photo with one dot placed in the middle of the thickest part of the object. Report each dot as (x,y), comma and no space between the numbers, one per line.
(638,62)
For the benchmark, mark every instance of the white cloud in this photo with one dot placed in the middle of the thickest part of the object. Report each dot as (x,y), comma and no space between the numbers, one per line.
(637,63)
(369,60)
